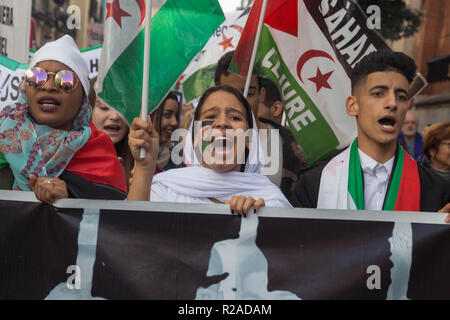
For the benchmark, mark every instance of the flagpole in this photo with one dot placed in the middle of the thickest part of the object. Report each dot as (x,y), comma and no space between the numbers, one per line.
(146,70)
(255,48)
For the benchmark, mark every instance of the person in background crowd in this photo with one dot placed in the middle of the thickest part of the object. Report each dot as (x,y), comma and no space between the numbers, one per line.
(223,76)
(374,173)
(47,139)
(291,157)
(409,138)
(165,120)
(221,108)
(111,122)
(436,148)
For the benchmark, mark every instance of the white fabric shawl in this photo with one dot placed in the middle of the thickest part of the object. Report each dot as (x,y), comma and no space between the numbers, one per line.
(197,184)
(333,190)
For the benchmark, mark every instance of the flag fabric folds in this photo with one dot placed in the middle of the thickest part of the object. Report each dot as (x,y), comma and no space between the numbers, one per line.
(178,32)
(199,75)
(309,48)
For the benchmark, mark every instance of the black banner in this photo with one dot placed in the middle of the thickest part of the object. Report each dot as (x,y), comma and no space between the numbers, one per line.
(87,249)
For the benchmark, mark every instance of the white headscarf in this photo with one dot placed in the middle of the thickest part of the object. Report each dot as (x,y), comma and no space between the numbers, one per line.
(255,159)
(64,50)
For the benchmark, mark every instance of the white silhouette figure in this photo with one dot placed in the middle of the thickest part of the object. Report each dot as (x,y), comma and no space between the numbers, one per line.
(401,257)
(246,266)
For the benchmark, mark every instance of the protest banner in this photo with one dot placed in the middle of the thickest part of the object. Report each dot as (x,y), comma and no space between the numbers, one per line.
(11,74)
(92,56)
(15,22)
(93,249)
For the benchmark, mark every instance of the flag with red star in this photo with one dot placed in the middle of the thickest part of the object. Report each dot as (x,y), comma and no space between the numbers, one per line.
(308,49)
(178,31)
(199,75)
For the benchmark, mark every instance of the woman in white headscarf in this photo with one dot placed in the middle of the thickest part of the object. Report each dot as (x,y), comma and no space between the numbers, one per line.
(46,138)
(218,169)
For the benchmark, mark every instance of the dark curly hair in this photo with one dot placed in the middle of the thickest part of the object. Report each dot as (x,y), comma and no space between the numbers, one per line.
(272,92)
(222,66)
(383,60)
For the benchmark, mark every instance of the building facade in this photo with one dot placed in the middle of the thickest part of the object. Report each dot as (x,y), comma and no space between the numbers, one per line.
(431,42)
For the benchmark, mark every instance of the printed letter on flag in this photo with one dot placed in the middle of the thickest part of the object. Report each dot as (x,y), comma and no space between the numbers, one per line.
(309,49)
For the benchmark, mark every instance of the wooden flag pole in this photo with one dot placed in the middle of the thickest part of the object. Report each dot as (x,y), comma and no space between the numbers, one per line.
(255,48)
(146,71)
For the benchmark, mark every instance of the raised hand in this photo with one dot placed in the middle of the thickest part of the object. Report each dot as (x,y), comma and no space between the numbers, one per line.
(143,135)
(446,209)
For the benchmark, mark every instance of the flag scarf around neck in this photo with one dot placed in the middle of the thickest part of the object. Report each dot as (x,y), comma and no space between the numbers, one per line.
(179,30)
(342,183)
(308,48)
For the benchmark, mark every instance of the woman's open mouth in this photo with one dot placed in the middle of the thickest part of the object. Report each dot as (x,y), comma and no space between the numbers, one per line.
(112,129)
(48,104)
(222,146)
(168,133)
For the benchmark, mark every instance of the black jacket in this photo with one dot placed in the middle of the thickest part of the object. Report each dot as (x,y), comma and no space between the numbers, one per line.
(434,189)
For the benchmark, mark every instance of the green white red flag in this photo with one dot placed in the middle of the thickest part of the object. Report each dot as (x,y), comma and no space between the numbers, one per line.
(308,48)
(178,32)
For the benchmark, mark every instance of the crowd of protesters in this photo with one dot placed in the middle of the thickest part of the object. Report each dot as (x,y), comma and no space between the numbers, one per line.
(60,140)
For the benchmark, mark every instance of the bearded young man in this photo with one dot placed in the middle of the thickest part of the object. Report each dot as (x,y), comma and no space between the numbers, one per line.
(375,173)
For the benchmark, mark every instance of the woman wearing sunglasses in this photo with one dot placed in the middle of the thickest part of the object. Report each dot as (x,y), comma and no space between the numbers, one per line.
(46,137)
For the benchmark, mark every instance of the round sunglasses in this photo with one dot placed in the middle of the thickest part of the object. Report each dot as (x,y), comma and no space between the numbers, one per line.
(65,80)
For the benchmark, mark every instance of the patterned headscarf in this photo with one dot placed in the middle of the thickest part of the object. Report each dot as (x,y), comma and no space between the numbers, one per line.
(31,148)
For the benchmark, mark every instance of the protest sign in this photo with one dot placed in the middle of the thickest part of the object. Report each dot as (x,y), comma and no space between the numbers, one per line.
(86,249)
(15,20)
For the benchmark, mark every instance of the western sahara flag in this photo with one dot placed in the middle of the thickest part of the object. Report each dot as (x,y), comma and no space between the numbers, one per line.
(179,30)
(308,48)
(199,75)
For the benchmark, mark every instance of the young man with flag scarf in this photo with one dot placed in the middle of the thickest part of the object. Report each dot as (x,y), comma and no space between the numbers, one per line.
(375,173)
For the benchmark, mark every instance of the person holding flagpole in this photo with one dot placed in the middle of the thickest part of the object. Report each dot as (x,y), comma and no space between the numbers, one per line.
(214,175)
(375,173)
